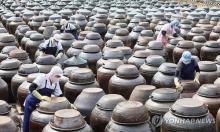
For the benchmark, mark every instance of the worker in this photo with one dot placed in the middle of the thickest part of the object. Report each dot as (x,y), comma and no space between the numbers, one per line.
(70,28)
(167,32)
(41,89)
(187,69)
(52,47)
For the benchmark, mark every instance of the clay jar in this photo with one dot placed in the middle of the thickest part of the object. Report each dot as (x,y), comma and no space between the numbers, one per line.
(20,32)
(156,48)
(164,78)
(36,22)
(7,40)
(138,58)
(110,54)
(135,34)
(76,48)
(102,112)
(91,53)
(80,20)
(181,47)
(210,50)
(199,42)
(141,93)
(32,45)
(4,90)
(169,48)
(205,25)
(75,60)
(20,55)
(141,44)
(112,44)
(99,28)
(184,30)
(190,110)
(129,116)
(44,25)
(45,63)
(93,38)
(110,33)
(123,35)
(23,71)
(208,72)
(14,24)
(44,113)
(189,88)
(26,38)
(215,34)
(23,89)
(7,111)
(8,125)
(195,31)
(217,60)
(150,67)
(79,79)
(209,95)
(8,68)
(159,103)
(71,119)
(123,82)
(106,71)
(66,40)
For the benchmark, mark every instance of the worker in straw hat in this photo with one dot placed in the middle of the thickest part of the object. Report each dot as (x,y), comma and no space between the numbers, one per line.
(187,69)
(68,27)
(167,32)
(41,89)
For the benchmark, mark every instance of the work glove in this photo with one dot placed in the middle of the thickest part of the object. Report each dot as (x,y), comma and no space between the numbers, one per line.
(40,97)
(59,56)
(196,79)
(177,84)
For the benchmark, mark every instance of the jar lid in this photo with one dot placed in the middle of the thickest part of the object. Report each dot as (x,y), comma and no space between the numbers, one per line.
(216,29)
(5,108)
(188,107)
(67,71)
(6,123)
(155,60)
(113,29)
(185,44)
(186,27)
(33,76)
(93,36)
(125,50)
(8,49)
(113,54)
(67,36)
(200,39)
(99,25)
(130,112)
(46,60)
(78,44)
(67,120)
(36,37)
(122,71)
(91,49)
(209,91)
(197,30)
(168,68)
(140,54)
(212,44)
(90,23)
(217,59)
(6,38)
(38,18)
(122,32)
(112,64)
(207,66)
(75,60)
(174,41)
(82,76)
(28,33)
(10,64)
(138,29)
(26,69)
(114,43)
(56,103)
(155,45)
(108,102)
(165,95)
(18,54)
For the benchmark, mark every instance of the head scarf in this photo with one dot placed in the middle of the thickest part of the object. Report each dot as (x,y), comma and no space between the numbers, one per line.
(56,70)
(186,56)
(174,23)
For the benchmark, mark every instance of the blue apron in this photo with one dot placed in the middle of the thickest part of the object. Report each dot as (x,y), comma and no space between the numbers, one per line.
(188,71)
(51,50)
(30,105)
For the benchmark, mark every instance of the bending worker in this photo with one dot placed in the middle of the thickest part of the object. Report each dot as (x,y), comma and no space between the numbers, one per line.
(41,89)
(187,69)
(52,47)
(167,32)
(70,28)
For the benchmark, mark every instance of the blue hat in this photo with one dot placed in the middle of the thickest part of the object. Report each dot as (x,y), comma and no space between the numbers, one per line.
(186,56)
(174,23)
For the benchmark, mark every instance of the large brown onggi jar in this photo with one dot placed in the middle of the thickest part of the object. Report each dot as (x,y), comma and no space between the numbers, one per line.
(195,31)
(159,103)
(110,33)
(129,116)
(123,82)
(26,38)
(66,40)
(20,55)
(156,48)
(44,113)
(45,63)
(210,50)
(75,49)
(71,119)
(138,58)
(8,125)
(164,78)
(93,38)
(199,42)
(75,60)
(86,101)
(106,71)
(183,117)
(112,44)
(134,34)
(79,79)
(7,40)
(123,35)
(102,112)
(215,34)
(127,51)
(150,67)
(189,88)
(20,32)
